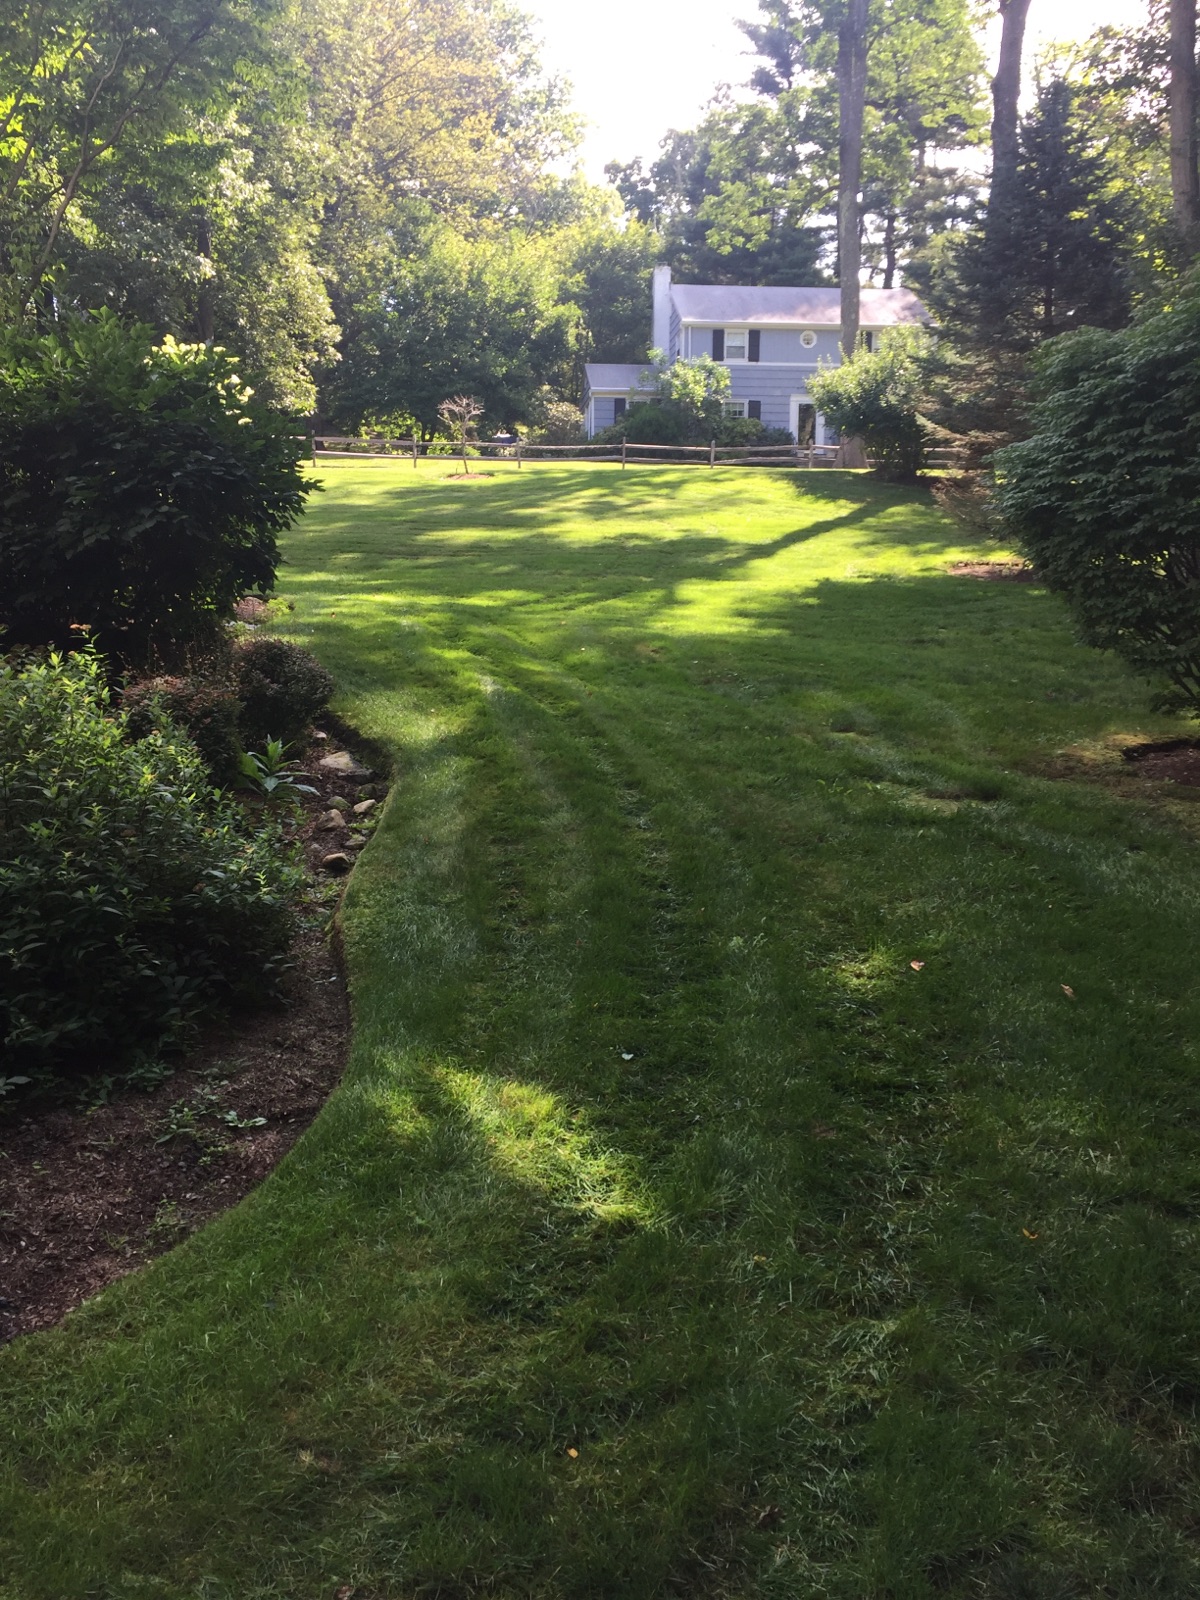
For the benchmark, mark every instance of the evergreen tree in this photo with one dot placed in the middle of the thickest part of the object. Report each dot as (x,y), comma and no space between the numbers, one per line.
(1054,255)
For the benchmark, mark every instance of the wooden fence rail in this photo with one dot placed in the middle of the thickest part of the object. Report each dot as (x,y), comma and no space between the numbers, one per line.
(521,450)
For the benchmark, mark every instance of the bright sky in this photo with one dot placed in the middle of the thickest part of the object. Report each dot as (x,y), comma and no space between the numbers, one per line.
(640,67)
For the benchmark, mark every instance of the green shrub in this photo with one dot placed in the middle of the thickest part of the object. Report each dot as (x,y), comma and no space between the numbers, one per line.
(1102,496)
(743,431)
(281,687)
(142,487)
(876,397)
(205,705)
(131,895)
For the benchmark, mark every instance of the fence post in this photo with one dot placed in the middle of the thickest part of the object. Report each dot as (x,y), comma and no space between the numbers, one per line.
(712,452)
(312,445)
(414,451)
(518,455)
(622,452)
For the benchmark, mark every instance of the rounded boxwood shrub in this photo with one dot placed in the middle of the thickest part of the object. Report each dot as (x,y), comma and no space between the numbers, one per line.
(206,706)
(281,686)
(132,894)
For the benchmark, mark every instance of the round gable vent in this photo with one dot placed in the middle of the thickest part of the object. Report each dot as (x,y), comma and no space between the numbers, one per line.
(808,339)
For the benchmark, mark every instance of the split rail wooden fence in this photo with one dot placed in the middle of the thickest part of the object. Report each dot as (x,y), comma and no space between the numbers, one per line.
(521,451)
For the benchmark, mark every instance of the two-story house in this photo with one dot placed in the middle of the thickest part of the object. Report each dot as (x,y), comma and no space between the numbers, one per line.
(772,340)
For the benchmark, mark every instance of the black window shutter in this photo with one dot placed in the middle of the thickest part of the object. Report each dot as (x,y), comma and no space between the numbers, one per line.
(718,344)
(755,344)
(754,407)
(618,408)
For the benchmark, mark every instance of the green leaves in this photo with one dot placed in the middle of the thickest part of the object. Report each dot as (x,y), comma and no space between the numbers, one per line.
(875,397)
(1103,496)
(142,488)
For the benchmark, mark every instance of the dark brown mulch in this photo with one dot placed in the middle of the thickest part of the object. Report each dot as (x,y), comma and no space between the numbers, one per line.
(1177,761)
(91,1192)
(995,571)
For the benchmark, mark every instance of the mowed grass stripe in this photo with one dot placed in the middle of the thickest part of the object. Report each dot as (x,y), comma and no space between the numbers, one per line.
(672,1233)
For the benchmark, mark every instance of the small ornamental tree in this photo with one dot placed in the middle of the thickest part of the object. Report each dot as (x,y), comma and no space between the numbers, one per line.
(460,414)
(875,397)
(1103,496)
(142,488)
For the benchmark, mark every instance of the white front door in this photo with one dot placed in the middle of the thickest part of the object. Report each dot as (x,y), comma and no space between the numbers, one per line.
(798,400)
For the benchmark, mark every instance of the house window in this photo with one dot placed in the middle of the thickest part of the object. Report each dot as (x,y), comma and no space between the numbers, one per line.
(734,408)
(808,339)
(737,344)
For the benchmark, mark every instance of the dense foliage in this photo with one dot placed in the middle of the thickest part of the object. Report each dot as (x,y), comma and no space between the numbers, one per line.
(746,196)
(131,895)
(203,702)
(281,687)
(142,487)
(1107,510)
(876,397)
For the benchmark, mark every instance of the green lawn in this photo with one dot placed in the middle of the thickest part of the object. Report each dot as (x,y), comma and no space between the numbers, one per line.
(676,1231)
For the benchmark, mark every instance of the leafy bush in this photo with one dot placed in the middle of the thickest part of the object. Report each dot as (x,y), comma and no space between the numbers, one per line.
(142,487)
(554,421)
(131,895)
(875,397)
(204,704)
(282,688)
(1102,496)
(742,431)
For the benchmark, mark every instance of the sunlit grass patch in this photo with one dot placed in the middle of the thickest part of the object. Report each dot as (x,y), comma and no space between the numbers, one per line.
(767,1165)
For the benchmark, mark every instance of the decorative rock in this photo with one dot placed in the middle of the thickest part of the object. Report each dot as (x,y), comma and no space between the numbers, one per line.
(337,802)
(319,736)
(365,807)
(355,843)
(342,762)
(329,820)
(338,863)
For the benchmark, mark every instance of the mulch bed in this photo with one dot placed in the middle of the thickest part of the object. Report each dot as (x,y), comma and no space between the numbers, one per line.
(1177,761)
(91,1191)
(995,571)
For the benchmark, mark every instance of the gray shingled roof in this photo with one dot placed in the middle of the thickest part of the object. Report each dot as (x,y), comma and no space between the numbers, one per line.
(620,375)
(816,308)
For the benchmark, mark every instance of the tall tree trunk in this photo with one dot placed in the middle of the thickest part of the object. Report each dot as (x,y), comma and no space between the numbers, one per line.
(1006,95)
(889,251)
(852,95)
(1185,169)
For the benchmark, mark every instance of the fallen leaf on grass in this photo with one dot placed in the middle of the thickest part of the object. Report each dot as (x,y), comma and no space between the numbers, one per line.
(1029,1235)
(1067,990)
(574,1454)
(768,1517)
(916,965)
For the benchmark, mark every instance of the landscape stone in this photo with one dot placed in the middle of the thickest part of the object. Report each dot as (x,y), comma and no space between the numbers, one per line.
(329,820)
(338,862)
(343,763)
(338,802)
(364,807)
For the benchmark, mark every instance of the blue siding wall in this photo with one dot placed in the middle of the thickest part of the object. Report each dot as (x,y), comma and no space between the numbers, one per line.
(774,386)
(676,333)
(783,344)
(602,410)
